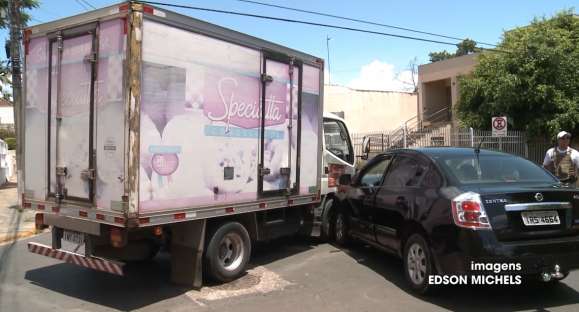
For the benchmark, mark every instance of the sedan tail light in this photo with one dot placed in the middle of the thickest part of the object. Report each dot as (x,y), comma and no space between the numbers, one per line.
(469,212)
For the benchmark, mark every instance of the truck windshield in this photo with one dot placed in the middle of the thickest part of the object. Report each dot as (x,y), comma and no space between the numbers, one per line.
(493,169)
(338,140)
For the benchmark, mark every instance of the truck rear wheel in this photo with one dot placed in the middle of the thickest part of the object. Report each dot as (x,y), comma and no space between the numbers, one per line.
(227,252)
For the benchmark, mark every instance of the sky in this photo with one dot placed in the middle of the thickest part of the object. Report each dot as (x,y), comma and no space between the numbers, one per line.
(356,60)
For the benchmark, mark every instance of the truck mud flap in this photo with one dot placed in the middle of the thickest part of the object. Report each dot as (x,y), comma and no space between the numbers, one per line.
(98,264)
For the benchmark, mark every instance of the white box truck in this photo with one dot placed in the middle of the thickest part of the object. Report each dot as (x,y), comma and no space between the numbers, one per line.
(145,128)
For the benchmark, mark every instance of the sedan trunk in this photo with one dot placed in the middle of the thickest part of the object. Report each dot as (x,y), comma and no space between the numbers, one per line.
(532,212)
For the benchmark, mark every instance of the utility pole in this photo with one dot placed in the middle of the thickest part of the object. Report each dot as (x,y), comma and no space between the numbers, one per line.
(15,37)
(328,49)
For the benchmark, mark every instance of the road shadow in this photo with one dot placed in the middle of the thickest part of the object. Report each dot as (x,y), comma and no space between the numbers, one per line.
(527,296)
(148,282)
(143,284)
(267,252)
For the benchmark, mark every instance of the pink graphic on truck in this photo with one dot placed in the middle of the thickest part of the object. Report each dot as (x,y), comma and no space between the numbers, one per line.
(233,100)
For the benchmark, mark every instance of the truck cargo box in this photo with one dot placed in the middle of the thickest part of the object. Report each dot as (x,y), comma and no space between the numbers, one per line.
(137,117)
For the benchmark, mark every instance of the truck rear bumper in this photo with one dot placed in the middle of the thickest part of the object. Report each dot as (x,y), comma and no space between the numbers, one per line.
(98,264)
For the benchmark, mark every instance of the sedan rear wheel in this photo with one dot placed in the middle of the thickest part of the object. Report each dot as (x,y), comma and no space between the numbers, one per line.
(417,263)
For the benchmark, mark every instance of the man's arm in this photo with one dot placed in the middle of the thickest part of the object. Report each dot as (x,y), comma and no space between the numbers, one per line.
(548,162)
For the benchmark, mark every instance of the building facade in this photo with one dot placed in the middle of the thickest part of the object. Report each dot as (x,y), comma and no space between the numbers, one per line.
(438,89)
(369,111)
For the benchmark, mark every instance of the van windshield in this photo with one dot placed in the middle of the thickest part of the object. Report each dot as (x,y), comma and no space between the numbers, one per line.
(493,169)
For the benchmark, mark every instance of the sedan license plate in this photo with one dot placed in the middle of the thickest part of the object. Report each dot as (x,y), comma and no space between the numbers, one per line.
(540,218)
(73,237)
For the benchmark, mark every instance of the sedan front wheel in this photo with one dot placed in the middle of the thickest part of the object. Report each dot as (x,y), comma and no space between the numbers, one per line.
(341,228)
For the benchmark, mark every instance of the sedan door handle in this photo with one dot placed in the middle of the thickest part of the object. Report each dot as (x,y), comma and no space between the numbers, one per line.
(401,201)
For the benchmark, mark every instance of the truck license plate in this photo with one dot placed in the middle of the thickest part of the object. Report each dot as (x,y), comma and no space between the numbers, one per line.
(540,218)
(73,237)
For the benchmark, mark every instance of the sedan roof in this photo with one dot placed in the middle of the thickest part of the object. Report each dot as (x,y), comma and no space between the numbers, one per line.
(447,151)
(454,151)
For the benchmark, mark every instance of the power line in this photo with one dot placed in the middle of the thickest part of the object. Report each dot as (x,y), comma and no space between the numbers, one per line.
(306,23)
(88,3)
(82,5)
(361,21)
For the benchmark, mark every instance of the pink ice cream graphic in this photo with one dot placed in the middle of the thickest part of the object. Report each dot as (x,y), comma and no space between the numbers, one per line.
(164,161)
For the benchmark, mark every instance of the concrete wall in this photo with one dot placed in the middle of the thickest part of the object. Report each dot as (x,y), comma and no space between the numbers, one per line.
(430,74)
(6,115)
(367,111)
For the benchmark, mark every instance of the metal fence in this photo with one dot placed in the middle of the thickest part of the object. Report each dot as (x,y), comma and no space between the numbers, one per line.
(516,142)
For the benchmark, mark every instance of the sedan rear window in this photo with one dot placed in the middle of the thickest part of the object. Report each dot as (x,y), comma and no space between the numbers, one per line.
(493,169)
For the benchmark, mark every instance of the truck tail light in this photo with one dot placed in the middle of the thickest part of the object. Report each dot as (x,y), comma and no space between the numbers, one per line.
(469,212)
(117,237)
(335,171)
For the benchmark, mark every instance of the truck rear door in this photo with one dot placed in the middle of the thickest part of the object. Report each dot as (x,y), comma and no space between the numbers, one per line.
(71,91)
(281,81)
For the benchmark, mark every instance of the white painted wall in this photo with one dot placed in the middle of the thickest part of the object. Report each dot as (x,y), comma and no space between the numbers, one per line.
(6,115)
(367,111)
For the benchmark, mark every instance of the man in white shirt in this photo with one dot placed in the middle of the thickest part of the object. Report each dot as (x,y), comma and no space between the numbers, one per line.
(562,160)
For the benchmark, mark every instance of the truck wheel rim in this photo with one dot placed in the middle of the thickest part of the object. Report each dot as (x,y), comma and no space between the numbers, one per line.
(339,227)
(231,251)
(416,261)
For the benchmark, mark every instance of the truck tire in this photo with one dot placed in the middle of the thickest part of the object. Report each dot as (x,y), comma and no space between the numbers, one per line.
(227,253)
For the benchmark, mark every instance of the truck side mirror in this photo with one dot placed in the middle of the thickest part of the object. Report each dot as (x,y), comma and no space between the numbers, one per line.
(345,179)
(365,147)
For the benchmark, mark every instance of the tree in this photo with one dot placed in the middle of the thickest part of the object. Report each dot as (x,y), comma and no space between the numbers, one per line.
(409,77)
(5,70)
(467,46)
(439,56)
(533,79)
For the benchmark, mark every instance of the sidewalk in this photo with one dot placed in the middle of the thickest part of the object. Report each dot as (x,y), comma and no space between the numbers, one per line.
(14,222)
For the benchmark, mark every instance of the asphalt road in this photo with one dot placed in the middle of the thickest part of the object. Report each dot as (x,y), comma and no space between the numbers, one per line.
(287,275)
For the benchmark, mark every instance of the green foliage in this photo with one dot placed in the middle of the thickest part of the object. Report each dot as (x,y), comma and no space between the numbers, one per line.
(24,17)
(5,70)
(535,83)
(7,133)
(439,56)
(467,46)
(11,143)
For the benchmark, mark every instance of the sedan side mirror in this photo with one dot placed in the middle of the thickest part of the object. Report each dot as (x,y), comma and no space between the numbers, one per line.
(365,147)
(345,179)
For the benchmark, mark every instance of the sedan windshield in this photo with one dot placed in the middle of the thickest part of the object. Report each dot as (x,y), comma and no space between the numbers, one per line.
(493,169)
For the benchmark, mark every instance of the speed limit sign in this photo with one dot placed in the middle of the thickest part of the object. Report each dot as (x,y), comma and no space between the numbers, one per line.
(499,126)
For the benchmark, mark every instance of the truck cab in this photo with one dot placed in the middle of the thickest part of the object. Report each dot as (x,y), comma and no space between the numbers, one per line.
(338,158)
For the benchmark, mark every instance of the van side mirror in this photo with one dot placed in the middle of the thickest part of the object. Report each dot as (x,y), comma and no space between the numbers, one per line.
(345,179)
(365,147)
